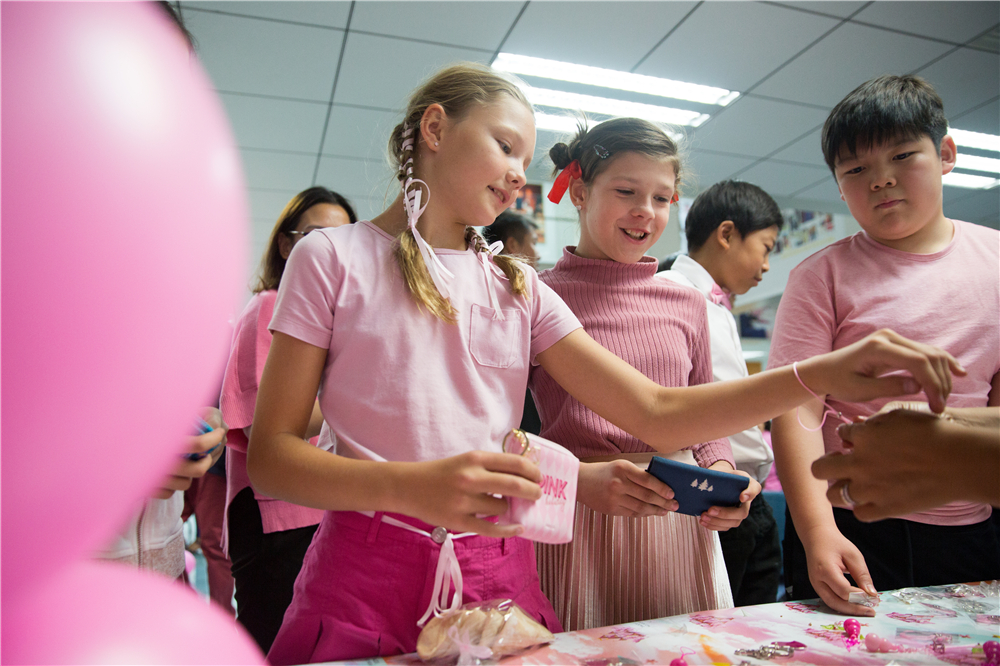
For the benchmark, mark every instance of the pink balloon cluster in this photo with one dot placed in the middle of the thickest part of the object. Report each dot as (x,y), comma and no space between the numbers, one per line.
(125,232)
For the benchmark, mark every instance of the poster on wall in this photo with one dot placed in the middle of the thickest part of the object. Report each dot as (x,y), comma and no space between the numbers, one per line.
(529,203)
(802,228)
(758,321)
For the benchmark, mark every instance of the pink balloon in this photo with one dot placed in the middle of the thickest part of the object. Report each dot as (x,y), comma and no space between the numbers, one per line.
(108,613)
(124,238)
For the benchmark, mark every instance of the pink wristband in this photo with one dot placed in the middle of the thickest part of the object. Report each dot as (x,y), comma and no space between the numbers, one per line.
(829,410)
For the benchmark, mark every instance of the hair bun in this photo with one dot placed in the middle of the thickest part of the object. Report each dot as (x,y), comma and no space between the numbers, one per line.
(560,156)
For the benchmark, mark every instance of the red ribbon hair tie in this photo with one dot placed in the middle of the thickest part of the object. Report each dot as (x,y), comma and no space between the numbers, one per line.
(561,183)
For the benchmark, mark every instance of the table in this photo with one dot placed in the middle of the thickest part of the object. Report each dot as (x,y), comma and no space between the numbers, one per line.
(961,617)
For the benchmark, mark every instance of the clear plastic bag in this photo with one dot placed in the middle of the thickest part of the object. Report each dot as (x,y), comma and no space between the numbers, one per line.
(480,631)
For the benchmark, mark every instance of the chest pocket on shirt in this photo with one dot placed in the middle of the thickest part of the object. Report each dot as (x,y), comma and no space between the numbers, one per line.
(494,342)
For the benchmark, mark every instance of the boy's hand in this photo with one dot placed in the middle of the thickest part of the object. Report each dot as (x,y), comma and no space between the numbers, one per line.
(829,555)
(621,488)
(453,492)
(854,373)
(723,518)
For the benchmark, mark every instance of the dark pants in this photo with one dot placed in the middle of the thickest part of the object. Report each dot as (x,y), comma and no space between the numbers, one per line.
(753,556)
(264,567)
(902,553)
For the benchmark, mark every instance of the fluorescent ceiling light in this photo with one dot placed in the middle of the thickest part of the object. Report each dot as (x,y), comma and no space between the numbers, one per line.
(568,124)
(609,78)
(975,139)
(613,107)
(977,163)
(968,181)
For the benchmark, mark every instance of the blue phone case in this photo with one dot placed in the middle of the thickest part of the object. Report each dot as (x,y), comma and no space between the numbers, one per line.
(697,489)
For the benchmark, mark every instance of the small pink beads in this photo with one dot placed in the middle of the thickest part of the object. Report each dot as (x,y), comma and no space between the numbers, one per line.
(852,628)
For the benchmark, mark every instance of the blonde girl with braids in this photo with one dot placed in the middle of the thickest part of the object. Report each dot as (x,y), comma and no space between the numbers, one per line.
(418,341)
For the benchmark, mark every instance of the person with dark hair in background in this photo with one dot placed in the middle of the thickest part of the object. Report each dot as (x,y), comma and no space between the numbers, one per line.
(268,538)
(731,228)
(517,233)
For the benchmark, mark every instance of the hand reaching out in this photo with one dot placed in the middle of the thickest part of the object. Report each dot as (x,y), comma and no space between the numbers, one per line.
(829,555)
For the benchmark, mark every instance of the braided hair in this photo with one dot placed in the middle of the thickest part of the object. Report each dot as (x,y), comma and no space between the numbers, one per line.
(456,88)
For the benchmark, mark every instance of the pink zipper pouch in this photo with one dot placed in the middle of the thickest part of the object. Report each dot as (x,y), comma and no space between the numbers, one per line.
(549,519)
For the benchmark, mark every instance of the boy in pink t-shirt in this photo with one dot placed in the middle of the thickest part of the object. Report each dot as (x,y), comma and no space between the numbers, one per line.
(911,269)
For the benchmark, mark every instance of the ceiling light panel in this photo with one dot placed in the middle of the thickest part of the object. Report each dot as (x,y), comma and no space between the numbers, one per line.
(609,78)
(977,163)
(968,181)
(975,139)
(612,107)
(568,124)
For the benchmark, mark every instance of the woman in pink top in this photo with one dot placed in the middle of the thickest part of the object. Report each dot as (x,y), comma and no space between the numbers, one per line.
(267,538)
(419,341)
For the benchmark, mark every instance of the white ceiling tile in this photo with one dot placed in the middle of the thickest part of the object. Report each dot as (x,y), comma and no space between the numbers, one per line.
(268,170)
(266,206)
(479,25)
(984,119)
(954,21)
(756,127)
(772,34)
(382,71)
(353,132)
(705,169)
(614,35)
(804,151)
(837,8)
(851,55)
(357,179)
(779,179)
(275,124)
(825,190)
(328,13)
(266,57)
(965,79)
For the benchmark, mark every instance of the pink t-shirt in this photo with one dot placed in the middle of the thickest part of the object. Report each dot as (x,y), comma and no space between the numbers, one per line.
(950,299)
(399,383)
(251,342)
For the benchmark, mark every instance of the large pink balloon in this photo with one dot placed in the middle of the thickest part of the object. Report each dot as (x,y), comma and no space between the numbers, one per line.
(124,238)
(107,613)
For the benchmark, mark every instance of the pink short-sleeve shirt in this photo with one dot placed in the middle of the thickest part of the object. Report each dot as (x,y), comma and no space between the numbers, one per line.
(950,299)
(399,383)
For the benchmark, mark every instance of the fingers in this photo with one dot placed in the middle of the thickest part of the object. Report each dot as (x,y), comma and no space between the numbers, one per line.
(856,566)
(841,605)
(931,367)
(723,518)
(833,465)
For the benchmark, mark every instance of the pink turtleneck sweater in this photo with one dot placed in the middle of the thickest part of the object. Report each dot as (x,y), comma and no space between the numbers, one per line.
(659,327)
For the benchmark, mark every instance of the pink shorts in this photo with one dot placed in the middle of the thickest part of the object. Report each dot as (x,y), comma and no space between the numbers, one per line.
(364,584)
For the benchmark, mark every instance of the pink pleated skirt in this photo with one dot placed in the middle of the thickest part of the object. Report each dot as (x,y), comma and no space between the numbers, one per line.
(620,569)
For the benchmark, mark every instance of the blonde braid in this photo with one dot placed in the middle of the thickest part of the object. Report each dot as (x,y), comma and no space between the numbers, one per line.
(510,266)
(411,263)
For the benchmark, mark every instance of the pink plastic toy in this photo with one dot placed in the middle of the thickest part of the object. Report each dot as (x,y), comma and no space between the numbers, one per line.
(681,661)
(549,519)
(992,651)
(876,643)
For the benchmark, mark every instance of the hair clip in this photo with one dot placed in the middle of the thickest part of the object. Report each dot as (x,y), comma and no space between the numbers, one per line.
(601,151)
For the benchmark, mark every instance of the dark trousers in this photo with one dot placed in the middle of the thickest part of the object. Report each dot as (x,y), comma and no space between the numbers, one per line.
(264,567)
(902,553)
(753,556)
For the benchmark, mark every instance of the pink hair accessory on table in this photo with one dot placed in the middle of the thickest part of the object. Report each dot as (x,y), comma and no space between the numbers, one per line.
(550,518)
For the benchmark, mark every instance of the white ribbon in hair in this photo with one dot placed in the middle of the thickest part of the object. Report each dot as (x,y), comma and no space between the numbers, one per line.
(486,260)
(412,194)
